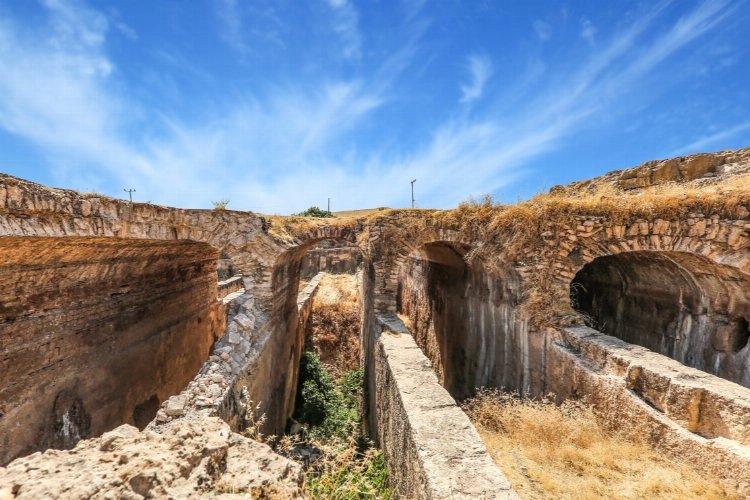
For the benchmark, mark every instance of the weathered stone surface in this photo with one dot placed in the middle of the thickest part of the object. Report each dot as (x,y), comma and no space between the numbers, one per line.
(96,332)
(707,167)
(464,319)
(431,447)
(332,257)
(688,414)
(187,459)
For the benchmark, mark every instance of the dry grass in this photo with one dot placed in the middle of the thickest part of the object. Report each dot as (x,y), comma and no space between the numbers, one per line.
(518,232)
(345,214)
(550,451)
(336,288)
(335,323)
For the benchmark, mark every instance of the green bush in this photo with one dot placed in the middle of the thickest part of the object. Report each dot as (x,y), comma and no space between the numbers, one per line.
(329,409)
(350,467)
(314,212)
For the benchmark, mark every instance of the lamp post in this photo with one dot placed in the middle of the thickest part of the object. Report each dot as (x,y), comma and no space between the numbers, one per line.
(412,192)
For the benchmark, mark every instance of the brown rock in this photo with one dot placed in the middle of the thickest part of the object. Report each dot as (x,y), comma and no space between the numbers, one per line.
(188,459)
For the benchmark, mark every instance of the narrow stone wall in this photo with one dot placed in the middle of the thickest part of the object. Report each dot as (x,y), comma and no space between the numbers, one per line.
(686,413)
(431,448)
(97,332)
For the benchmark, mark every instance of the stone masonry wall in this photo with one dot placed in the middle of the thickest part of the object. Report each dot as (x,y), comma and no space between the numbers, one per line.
(332,258)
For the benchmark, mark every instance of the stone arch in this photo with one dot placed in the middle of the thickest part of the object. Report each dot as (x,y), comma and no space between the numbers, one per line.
(683,305)
(388,269)
(727,243)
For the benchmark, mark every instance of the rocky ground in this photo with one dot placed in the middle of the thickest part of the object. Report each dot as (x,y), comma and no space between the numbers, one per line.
(186,459)
(704,168)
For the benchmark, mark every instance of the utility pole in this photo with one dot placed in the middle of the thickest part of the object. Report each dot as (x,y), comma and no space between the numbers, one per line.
(329,206)
(412,192)
(130,193)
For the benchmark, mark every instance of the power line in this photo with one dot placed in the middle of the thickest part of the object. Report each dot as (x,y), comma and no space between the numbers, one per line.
(130,193)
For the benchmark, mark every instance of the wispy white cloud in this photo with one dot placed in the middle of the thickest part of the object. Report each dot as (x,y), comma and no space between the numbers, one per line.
(230,15)
(543,30)
(480,70)
(283,151)
(588,32)
(345,22)
(712,139)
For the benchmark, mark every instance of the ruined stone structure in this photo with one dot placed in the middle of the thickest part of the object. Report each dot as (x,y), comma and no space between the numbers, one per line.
(330,256)
(492,297)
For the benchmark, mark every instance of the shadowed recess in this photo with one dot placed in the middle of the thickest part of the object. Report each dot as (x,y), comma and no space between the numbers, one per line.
(681,305)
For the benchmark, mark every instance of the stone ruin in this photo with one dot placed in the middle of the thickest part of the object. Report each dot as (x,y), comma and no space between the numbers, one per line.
(186,324)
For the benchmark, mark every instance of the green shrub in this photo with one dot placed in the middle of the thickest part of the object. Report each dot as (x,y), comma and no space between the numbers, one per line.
(349,466)
(329,409)
(314,212)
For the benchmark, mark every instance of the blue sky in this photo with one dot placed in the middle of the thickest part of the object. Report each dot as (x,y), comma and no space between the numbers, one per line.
(278,105)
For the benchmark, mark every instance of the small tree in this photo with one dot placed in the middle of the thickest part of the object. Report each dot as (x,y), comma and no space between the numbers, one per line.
(221,204)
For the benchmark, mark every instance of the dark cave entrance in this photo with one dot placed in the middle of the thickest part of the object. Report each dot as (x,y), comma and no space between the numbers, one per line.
(682,305)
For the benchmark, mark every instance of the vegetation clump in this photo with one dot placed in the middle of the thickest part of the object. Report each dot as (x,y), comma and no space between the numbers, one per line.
(344,463)
(551,451)
(221,204)
(315,212)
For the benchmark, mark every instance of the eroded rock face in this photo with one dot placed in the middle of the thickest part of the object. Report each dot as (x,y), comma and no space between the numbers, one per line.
(705,167)
(96,332)
(464,320)
(677,304)
(187,459)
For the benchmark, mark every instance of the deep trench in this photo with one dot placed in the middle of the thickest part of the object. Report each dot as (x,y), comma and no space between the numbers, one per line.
(464,318)
(680,305)
(327,328)
(97,332)
(326,418)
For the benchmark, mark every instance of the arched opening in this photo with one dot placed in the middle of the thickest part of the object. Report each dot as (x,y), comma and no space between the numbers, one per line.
(290,314)
(462,315)
(97,332)
(682,305)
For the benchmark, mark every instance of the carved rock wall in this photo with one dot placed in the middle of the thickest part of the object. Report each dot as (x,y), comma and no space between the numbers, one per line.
(678,304)
(465,320)
(96,332)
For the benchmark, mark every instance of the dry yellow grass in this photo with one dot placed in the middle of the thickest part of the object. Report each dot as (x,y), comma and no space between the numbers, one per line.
(550,451)
(364,212)
(335,322)
(336,288)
